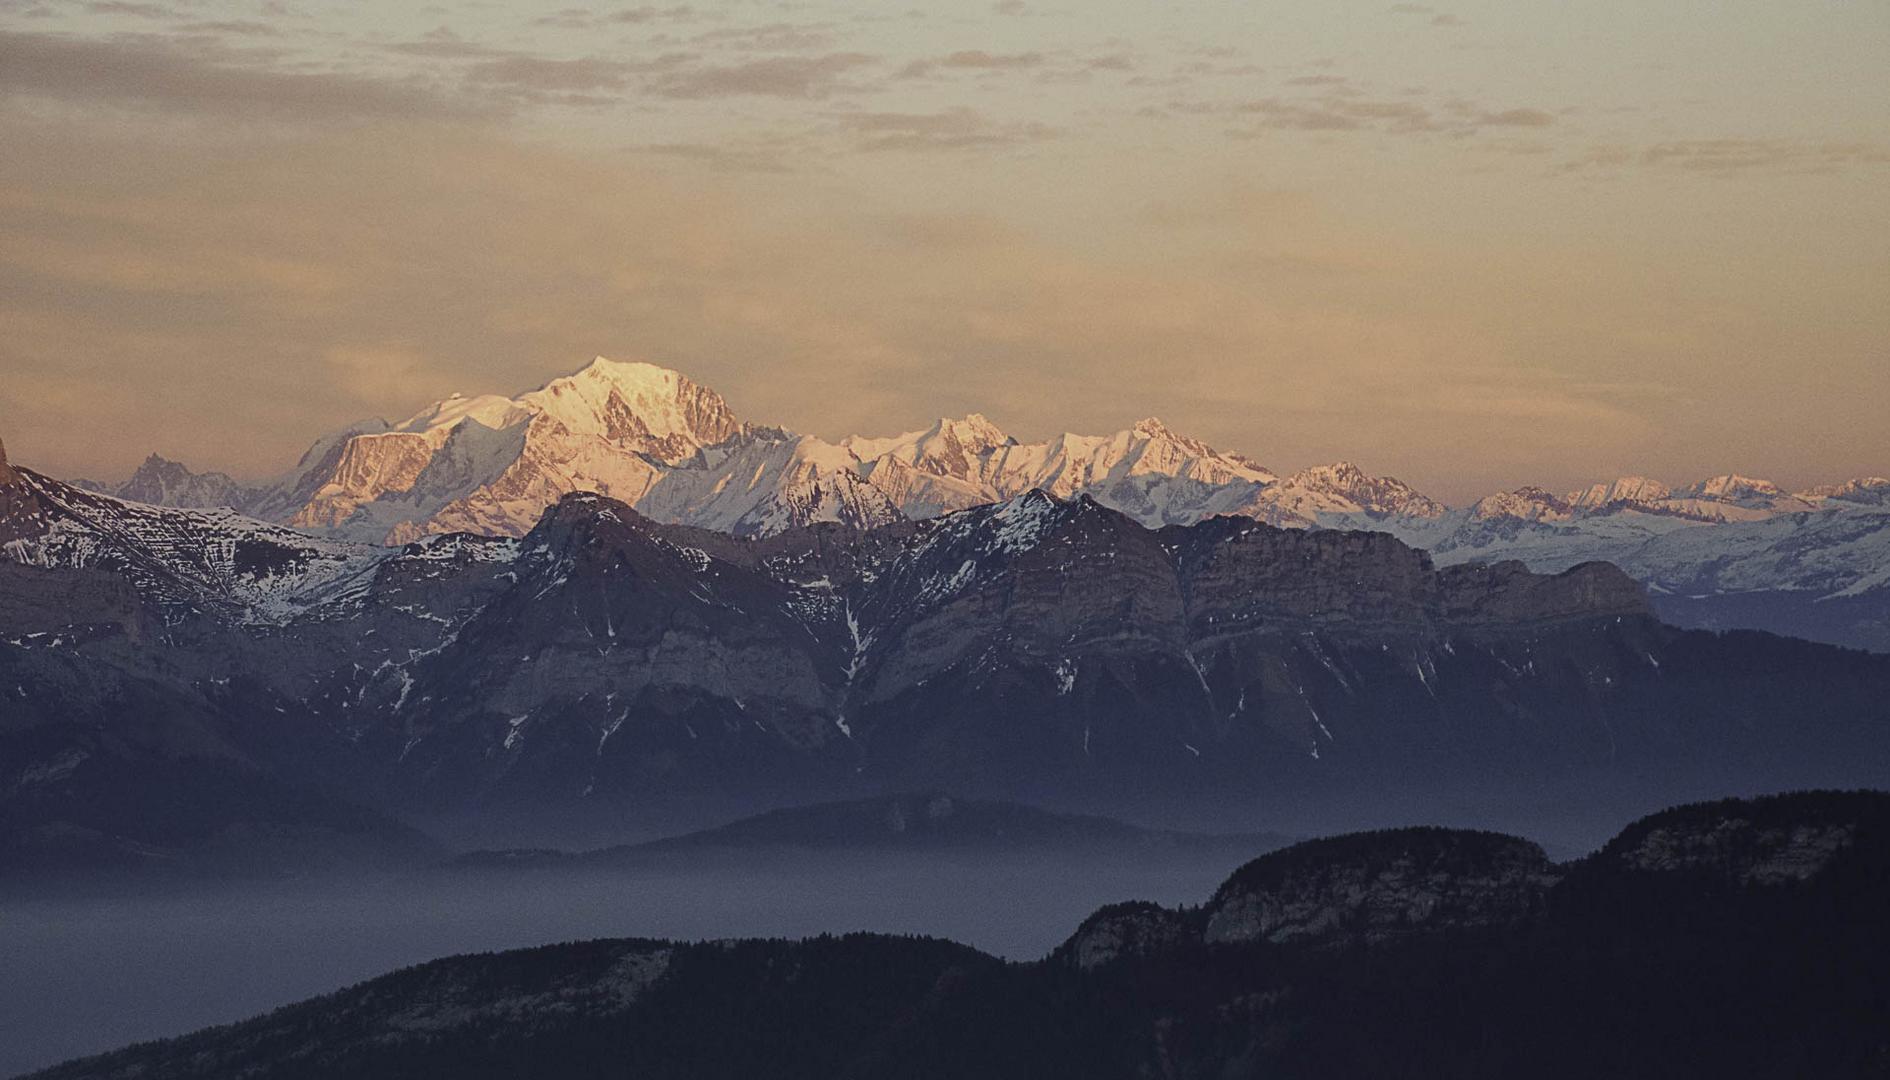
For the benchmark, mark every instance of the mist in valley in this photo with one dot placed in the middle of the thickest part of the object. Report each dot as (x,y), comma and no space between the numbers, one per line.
(93,974)
(98,969)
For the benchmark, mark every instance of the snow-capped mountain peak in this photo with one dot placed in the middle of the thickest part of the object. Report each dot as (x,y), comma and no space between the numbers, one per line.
(1152,432)
(1343,495)
(1631,490)
(654,439)
(1733,487)
(953,448)
(973,430)
(7,475)
(159,481)
(489,409)
(637,402)
(1863,491)
(1147,470)
(1734,497)
(651,437)
(1523,504)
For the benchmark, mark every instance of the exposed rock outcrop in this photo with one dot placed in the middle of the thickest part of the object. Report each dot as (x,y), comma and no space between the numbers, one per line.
(1372,887)
(1769,841)
(1034,643)
(1135,930)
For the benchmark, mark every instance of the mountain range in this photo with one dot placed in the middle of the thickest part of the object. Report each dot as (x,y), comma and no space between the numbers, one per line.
(926,822)
(313,689)
(1730,551)
(1738,938)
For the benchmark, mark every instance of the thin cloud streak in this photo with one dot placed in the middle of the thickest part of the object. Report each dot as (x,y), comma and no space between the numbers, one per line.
(140,75)
(778,76)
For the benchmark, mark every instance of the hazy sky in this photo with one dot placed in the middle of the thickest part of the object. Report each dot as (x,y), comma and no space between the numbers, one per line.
(1471,244)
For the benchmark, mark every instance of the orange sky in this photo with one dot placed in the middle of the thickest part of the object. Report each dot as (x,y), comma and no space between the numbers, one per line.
(1472,245)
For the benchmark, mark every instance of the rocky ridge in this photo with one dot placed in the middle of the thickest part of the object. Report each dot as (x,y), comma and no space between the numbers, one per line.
(1034,644)
(1369,890)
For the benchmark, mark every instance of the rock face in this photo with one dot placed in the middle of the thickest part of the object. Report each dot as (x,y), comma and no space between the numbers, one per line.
(1748,853)
(1131,931)
(78,602)
(162,482)
(831,644)
(1035,645)
(179,561)
(1765,842)
(1508,592)
(21,514)
(1378,886)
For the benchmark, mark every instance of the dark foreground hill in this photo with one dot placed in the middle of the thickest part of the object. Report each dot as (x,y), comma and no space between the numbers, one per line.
(1730,939)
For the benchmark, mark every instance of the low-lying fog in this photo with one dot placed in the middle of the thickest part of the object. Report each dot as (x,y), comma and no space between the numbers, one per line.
(81,976)
(90,975)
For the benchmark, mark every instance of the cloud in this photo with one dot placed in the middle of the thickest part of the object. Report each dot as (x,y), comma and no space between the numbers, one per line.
(1342,107)
(586,18)
(237,28)
(534,73)
(444,43)
(776,76)
(569,18)
(724,157)
(1517,118)
(972,60)
(646,14)
(1339,114)
(770,37)
(1437,18)
(978,58)
(952,129)
(146,75)
(1733,156)
(1009,7)
(126,7)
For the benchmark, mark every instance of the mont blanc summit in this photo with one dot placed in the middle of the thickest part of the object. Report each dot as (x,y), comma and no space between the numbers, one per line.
(1727,551)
